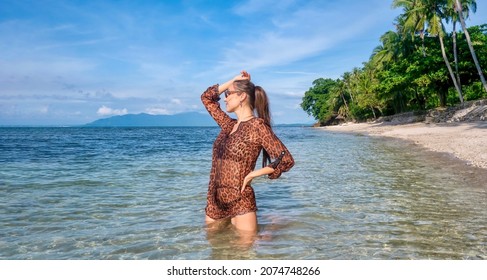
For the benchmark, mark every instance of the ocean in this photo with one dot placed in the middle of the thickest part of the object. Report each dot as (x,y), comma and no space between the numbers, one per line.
(140,193)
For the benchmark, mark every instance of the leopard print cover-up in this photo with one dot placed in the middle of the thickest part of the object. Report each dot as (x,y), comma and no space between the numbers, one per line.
(234,156)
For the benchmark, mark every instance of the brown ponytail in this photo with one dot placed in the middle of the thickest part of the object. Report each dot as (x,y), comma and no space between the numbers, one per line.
(262,108)
(261,105)
(259,102)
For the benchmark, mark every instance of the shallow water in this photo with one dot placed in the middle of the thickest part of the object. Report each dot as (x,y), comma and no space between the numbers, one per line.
(140,193)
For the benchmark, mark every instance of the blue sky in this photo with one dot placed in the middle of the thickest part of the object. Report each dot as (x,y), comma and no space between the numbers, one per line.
(72,62)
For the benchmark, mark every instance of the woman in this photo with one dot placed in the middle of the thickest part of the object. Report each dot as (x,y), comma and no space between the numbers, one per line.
(236,149)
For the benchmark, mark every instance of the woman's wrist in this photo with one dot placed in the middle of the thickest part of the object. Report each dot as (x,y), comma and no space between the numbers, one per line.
(226,85)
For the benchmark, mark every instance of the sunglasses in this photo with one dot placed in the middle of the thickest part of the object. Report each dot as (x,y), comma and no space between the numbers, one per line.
(230,92)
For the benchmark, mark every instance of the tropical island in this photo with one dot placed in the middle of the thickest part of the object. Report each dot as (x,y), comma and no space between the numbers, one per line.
(422,83)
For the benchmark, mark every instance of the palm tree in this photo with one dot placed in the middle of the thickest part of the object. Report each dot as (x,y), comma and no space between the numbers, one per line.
(347,80)
(388,51)
(366,83)
(451,12)
(341,89)
(459,8)
(413,22)
(419,14)
(393,47)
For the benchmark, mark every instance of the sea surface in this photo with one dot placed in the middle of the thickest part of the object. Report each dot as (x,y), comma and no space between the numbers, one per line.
(140,193)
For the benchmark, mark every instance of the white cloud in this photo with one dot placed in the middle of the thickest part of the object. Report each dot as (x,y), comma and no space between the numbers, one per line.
(176,101)
(293,32)
(107,111)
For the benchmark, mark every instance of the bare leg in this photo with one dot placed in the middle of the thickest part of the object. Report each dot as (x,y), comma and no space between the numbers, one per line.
(215,225)
(209,220)
(245,222)
(246,226)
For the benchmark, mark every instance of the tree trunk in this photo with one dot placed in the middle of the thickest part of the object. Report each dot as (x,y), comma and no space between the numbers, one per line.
(423,48)
(350,91)
(422,34)
(442,95)
(419,99)
(467,35)
(455,53)
(459,90)
(373,112)
(345,101)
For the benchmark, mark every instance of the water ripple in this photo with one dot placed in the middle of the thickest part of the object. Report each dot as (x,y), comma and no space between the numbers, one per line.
(140,193)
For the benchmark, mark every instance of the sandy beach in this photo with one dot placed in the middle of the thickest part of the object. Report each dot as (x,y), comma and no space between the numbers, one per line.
(464,140)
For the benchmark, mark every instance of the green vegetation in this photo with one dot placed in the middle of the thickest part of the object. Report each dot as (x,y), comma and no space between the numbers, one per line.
(417,67)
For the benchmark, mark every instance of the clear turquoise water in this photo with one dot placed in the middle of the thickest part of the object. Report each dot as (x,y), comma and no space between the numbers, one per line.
(140,193)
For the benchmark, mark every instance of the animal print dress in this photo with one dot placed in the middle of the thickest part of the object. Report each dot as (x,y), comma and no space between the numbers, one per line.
(234,156)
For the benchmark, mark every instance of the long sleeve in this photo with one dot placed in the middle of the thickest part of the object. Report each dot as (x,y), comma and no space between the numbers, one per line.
(210,100)
(282,160)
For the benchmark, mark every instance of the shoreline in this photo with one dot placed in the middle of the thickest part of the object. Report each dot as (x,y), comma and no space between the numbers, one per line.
(466,141)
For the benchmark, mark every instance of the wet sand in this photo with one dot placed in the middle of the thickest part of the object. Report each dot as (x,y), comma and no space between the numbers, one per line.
(465,141)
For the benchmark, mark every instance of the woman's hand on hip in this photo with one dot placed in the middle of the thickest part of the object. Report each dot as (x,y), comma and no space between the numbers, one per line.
(256,173)
(247,180)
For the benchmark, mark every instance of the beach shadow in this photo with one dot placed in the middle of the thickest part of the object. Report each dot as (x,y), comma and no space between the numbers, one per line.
(471,124)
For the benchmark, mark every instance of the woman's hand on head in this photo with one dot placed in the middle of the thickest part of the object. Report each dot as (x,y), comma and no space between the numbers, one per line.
(244,75)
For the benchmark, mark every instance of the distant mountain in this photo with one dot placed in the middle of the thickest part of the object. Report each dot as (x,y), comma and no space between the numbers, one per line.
(183,119)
